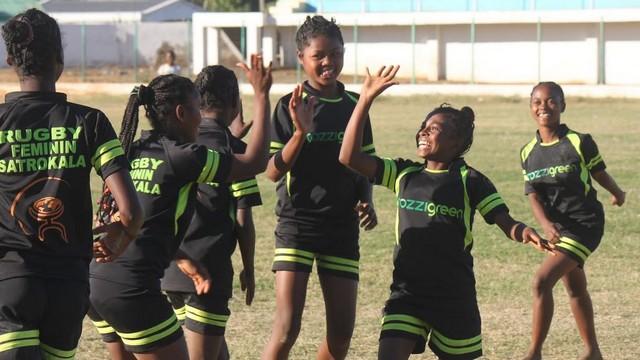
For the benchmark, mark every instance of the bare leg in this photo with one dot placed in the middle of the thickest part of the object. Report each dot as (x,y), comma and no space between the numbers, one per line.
(340,296)
(118,352)
(203,347)
(291,292)
(575,283)
(395,348)
(552,269)
(177,350)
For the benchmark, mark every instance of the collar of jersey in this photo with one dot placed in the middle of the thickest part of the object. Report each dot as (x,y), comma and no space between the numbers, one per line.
(35,95)
(431,171)
(562,131)
(455,164)
(310,91)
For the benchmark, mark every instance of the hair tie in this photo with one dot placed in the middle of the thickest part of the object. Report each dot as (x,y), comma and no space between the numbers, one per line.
(144,94)
(29,38)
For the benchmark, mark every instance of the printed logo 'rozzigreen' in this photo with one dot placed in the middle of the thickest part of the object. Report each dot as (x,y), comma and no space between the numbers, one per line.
(551,171)
(430,208)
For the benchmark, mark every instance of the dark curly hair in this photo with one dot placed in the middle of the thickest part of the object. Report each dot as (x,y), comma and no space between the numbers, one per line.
(462,121)
(33,43)
(218,88)
(315,26)
(159,99)
(555,88)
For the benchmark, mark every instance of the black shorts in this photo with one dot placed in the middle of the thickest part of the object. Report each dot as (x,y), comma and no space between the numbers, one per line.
(452,328)
(579,241)
(141,318)
(334,248)
(205,314)
(41,317)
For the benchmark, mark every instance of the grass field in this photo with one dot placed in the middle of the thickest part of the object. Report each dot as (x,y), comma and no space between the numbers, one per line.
(503,269)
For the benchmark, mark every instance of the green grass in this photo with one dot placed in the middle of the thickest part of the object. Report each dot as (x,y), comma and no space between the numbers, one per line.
(503,269)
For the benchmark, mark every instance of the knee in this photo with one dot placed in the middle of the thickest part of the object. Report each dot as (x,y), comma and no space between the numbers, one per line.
(287,329)
(339,345)
(576,292)
(542,285)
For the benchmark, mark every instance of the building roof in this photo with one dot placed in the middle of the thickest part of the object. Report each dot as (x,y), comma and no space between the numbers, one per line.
(106,5)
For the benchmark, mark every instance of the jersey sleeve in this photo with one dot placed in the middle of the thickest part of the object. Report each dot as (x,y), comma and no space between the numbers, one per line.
(107,154)
(484,197)
(528,188)
(193,162)
(389,171)
(246,192)
(592,158)
(281,126)
(367,139)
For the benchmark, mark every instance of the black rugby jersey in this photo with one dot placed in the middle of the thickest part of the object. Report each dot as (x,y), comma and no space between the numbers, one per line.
(435,211)
(318,189)
(559,173)
(164,173)
(210,234)
(47,149)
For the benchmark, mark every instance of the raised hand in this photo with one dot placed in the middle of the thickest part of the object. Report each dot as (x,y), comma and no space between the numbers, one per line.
(374,85)
(301,112)
(258,75)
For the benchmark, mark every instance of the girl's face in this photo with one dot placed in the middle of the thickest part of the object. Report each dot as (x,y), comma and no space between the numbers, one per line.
(546,106)
(322,61)
(189,117)
(436,140)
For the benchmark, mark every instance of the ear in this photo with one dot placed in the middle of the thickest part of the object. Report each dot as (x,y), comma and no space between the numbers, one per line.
(9,60)
(180,112)
(300,55)
(563,106)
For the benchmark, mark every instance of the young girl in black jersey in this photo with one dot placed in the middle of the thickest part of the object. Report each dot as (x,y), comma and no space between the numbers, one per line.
(47,149)
(221,218)
(316,198)
(127,306)
(558,165)
(433,294)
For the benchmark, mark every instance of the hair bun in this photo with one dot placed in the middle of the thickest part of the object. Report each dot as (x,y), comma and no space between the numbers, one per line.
(18,31)
(468,113)
(145,94)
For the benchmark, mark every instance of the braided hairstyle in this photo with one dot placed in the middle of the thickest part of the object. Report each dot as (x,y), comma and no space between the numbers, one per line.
(218,88)
(315,26)
(159,99)
(33,43)
(555,88)
(462,121)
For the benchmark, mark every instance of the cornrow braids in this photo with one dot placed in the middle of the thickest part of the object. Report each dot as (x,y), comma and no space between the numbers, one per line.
(33,43)
(159,99)
(315,26)
(218,88)
(462,121)
(555,88)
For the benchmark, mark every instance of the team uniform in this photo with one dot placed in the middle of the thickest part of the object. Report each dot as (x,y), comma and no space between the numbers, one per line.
(211,240)
(316,198)
(126,300)
(47,149)
(433,296)
(559,173)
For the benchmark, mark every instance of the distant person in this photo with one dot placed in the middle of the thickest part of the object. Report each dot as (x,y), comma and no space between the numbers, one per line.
(433,295)
(48,148)
(558,164)
(169,66)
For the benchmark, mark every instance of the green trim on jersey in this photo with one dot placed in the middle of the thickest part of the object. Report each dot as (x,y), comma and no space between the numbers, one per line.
(181,206)
(574,247)
(106,152)
(468,236)
(18,339)
(489,203)
(243,188)
(294,255)
(208,318)
(353,98)
(152,334)
(524,154)
(338,263)
(51,353)
(275,146)
(335,100)
(181,313)
(456,346)
(210,167)
(103,327)
(369,149)
(406,323)
(574,139)
(396,186)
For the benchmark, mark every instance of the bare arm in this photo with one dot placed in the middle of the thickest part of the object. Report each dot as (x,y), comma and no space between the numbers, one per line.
(246,234)
(119,234)
(605,180)
(255,158)
(520,232)
(302,116)
(350,152)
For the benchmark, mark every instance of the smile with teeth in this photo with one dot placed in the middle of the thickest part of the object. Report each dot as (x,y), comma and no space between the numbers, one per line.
(423,143)
(327,73)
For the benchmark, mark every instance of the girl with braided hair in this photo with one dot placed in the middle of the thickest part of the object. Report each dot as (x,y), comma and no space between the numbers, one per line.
(128,308)
(47,149)
(433,296)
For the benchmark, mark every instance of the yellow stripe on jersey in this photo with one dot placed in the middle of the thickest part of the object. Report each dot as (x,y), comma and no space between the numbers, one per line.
(595,161)
(244,188)
(152,334)
(204,317)
(338,263)
(489,203)
(106,152)
(18,339)
(584,173)
(210,167)
(456,347)
(526,150)
(406,323)
(468,236)
(103,327)
(51,353)
(294,255)
(181,313)
(181,206)
(369,149)
(275,146)
(574,247)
